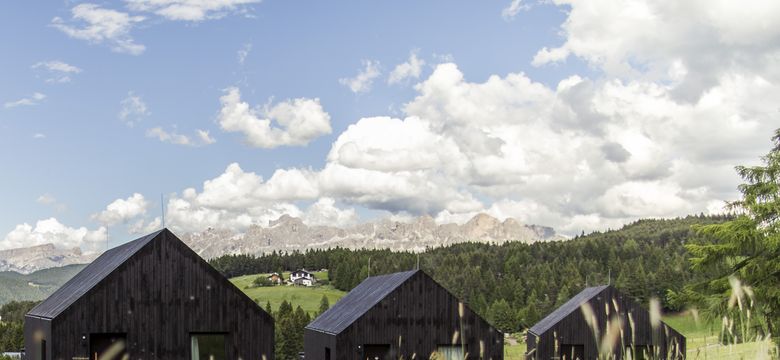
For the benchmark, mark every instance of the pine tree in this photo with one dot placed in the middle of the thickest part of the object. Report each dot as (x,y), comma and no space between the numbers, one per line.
(563,296)
(531,313)
(285,309)
(324,305)
(747,247)
(502,316)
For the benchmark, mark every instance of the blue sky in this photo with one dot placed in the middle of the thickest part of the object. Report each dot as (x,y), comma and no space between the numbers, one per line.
(71,68)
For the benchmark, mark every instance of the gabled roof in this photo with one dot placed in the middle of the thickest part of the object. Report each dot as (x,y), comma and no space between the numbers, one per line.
(570,306)
(89,277)
(361,299)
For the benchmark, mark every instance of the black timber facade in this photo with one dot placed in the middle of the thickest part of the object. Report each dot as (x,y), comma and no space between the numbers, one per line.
(156,293)
(406,315)
(565,333)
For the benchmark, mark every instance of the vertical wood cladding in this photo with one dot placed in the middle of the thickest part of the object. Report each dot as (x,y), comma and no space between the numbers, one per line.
(158,297)
(413,320)
(572,329)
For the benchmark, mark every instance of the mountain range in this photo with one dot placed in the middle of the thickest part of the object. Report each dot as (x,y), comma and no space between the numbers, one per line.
(34,258)
(289,233)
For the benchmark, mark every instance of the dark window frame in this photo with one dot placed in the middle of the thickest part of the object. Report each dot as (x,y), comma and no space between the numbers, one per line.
(224,334)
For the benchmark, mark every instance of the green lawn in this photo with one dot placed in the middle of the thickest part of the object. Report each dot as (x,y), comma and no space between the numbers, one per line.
(701,338)
(514,352)
(307,297)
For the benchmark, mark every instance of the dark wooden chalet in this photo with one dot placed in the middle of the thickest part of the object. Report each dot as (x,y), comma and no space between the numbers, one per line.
(566,334)
(151,298)
(405,314)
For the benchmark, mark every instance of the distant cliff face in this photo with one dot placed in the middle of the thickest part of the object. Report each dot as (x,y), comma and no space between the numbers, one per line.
(31,259)
(289,233)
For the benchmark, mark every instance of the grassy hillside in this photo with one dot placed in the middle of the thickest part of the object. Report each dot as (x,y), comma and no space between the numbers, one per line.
(307,297)
(35,286)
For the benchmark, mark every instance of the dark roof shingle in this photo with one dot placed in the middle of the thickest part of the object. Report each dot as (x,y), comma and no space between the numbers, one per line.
(570,306)
(361,299)
(88,277)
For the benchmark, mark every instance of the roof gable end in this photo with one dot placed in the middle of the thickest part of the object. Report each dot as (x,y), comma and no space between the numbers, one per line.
(566,309)
(358,301)
(91,276)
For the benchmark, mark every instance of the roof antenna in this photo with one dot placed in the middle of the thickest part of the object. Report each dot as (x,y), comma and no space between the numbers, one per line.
(609,276)
(162,206)
(369,266)
(418,261)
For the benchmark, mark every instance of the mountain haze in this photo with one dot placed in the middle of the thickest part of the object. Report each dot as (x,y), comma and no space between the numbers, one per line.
(34,286)
(289,233)
(34,258)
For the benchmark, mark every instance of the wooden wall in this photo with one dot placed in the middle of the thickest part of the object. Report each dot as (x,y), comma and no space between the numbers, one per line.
(36,329)
(314,344)
(573,329)
(413,319)
(158,297)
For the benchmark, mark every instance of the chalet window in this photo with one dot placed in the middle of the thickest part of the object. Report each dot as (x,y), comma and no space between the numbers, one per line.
(107,346)
(208,347)
(376,352)
(572,352)
(43,350)
(450,352)
(327,353)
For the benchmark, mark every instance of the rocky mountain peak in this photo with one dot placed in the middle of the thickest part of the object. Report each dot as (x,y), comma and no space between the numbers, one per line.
(288,233)
(30,259)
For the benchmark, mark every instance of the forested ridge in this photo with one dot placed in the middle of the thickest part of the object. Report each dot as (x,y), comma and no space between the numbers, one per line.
(516,284)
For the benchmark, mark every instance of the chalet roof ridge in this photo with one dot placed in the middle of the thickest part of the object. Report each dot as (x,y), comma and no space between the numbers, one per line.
(90,276)
(359,301)
(567,308)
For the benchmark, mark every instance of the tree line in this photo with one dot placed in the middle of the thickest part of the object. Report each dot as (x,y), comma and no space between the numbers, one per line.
(12,324)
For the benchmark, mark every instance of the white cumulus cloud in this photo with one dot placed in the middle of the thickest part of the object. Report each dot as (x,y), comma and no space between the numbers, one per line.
(200,138)
(411,69)
(325,212)
(362,82)
(51,231)
(189,10)
(122,210)
(132,109)
(701,41)
(243,53)
(509,12)
(32,100)
(57,71)
(293,122)
(96,24)
(47,199)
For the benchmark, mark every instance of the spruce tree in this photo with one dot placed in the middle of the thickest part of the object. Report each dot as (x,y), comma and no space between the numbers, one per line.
(324,305)
(748,246)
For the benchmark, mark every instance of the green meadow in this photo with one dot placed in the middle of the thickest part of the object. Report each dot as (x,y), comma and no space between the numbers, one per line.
(307,297)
